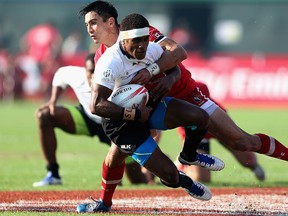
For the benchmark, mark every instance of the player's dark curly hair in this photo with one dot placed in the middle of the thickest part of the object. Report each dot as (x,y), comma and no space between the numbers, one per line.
(133,21)
(102,8)
(90,57)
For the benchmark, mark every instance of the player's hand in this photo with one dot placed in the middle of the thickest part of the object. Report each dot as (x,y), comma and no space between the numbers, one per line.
(145,112)
(49,105)
(142,77)
(162,86)
(52,108)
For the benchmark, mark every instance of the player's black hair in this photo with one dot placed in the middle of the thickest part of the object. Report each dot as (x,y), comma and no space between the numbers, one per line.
(90,57)
(102,8)
(133,21)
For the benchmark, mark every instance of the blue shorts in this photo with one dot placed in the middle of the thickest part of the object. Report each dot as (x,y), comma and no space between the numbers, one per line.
(156,121)
(144,151)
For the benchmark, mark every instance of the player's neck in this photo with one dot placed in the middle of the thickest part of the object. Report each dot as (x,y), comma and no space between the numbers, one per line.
(113,37)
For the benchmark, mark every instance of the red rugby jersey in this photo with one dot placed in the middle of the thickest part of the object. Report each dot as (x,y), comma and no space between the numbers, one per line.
(185,85)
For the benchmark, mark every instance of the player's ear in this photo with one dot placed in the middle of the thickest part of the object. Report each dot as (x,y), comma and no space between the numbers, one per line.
(123,44)
(111,21)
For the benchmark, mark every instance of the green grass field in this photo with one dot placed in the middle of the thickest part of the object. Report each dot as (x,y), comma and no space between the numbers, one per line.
(81,157)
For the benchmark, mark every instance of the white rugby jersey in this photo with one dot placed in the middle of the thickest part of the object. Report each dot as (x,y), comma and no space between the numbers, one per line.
(114,69)
(76,78)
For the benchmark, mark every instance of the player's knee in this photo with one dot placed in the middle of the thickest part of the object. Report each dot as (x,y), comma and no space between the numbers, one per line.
(171,176)
(203,119)
(114,157)
(43,116)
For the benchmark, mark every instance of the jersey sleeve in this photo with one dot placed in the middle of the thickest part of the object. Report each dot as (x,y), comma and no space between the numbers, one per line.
(59,78)
(69,76)
(155,35)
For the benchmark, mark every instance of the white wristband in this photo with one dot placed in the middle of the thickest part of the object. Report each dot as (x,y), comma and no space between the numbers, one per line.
(153,69)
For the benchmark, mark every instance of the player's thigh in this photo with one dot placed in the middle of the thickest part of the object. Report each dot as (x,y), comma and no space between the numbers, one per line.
(115,157)
(182,113)
(161,165)
(225,129)
(63,119)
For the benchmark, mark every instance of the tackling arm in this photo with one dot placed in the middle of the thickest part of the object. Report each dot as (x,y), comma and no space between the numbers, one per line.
(164,84)
(172,56)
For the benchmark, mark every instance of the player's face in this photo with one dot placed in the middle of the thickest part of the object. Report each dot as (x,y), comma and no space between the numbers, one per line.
(136,47)
(89,66)
(97,29)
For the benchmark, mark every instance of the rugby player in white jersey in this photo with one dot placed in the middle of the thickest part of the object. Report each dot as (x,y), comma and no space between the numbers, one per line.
(75,120)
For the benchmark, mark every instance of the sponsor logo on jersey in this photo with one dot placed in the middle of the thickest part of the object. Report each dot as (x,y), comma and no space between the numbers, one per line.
(107,73)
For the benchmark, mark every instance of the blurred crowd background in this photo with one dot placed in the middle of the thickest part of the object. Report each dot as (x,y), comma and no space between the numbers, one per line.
(221,37)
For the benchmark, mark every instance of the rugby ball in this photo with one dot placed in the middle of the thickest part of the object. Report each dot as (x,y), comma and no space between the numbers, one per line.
(130,95)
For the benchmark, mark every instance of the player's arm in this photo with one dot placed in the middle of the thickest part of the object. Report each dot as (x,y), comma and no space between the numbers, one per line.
(58,87)
(61,80)
(56,92)
(101,106)
(164,84)
(172,56)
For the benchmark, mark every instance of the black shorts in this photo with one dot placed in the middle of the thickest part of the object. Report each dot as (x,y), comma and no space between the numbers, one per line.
(127,135)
